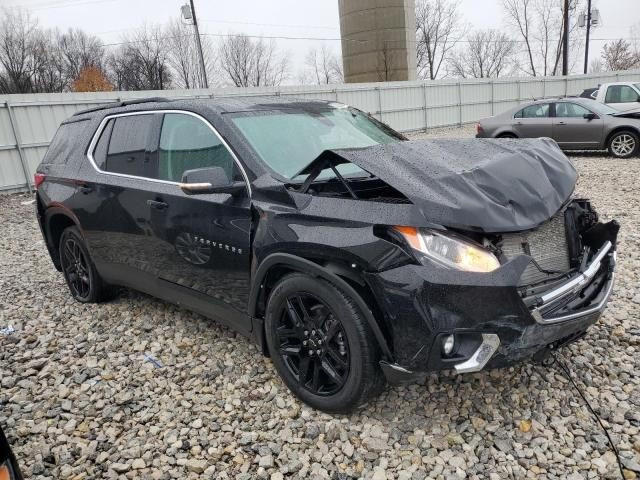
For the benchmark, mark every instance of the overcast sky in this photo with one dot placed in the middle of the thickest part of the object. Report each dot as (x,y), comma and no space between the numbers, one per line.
(110,19)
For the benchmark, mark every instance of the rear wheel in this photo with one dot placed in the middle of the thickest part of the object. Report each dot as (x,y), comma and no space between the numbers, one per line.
(623,144)
(506,135)
(321,345)
(80,273)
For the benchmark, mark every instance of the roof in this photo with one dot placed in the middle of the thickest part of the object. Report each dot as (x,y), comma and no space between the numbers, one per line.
(220,104)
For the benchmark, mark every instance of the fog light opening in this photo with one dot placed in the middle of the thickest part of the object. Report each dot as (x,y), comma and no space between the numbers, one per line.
(448,344)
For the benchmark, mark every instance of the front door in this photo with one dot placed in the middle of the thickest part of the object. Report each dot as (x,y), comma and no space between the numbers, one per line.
(533,121)
(572,130)
(201,242)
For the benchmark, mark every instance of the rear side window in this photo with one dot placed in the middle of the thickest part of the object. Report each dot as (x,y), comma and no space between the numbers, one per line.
(122,146)
(64,143)
(621,94)
(128,145)
(188,143)
(534,111)
(102,147)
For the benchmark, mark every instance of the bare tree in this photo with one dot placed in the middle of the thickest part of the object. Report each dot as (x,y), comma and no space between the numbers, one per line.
(78,51)
(52,74)
(323,66)
(439,28)
(596,66)
(252,63)
(540,24)
(141,62)
(184,58)
(22,52)
(489,53)
(618,55)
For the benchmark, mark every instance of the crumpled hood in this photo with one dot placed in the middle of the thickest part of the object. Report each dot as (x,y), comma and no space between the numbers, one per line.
(491,185)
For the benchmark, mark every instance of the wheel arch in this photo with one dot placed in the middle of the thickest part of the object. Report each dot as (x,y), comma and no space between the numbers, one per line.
(506,132)
(621,128)
(276,265)
(56,220)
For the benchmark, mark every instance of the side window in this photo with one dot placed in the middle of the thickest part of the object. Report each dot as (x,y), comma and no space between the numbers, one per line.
(540,110)
(567,109)
(187,143)
(100,152)
(621,94)
(128,144)
(64,143)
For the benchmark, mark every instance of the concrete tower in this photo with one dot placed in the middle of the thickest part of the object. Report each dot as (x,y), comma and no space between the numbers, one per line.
(378,40)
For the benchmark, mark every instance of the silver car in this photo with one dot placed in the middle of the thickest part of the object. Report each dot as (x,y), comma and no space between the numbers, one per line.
(574,123)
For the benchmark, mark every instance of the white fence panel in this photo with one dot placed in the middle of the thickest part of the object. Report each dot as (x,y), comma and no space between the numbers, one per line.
(406,106)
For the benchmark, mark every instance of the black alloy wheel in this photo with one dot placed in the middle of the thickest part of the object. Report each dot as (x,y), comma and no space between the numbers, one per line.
(80,273)
(321,344)
(76,269)
(313,344)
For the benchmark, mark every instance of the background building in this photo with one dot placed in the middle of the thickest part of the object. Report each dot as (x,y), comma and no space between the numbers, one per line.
(378,40)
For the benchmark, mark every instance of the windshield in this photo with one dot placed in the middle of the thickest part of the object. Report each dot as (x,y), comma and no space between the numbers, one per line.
(288,141)
(601,108)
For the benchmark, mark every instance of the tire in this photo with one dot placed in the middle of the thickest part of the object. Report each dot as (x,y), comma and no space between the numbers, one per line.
(78,269)
(623,144)
(506,135)
(343,372)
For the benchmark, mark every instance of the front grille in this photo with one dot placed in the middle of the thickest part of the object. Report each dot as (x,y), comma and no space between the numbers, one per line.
(547,245)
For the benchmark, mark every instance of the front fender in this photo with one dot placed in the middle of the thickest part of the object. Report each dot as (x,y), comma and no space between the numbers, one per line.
(290,262)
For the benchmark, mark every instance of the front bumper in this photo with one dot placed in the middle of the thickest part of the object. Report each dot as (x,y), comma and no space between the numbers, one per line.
(494,324)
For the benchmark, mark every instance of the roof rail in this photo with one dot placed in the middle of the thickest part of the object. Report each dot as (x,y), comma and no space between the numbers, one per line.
(122,104)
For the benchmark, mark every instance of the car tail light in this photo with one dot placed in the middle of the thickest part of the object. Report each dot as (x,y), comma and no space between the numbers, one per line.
(38,179)
(479,129)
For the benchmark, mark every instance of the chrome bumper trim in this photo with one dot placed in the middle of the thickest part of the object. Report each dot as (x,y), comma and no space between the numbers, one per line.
(477,361)
(575,285)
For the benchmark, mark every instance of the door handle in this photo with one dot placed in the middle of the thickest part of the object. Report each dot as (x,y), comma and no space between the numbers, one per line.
(157,205)
(561,123)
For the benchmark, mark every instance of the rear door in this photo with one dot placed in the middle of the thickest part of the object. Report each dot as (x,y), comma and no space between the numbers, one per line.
(572,130)
(622,97)
(114,190)
(533,121)
(201,242)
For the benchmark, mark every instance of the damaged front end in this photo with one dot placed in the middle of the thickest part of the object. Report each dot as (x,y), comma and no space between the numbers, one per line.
(552,284)
(522,268)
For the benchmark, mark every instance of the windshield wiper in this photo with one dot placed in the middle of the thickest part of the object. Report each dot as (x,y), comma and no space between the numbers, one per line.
(326,160)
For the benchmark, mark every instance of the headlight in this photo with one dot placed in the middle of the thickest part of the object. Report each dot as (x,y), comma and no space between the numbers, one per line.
(449,251)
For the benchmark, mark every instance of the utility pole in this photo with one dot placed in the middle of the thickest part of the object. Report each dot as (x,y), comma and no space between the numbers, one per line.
(199,43)
(586,46)
(565,39)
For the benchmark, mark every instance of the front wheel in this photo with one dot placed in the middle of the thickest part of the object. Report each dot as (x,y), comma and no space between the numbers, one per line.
(80,273)
(623,144)
(321,345)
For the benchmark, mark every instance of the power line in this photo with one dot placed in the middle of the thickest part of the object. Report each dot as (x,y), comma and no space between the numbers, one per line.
(325,39)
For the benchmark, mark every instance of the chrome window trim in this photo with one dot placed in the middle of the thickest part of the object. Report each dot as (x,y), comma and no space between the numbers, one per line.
(103,123)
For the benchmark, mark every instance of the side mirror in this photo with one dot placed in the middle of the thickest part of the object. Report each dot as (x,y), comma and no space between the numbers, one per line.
(590,116)
(209,180)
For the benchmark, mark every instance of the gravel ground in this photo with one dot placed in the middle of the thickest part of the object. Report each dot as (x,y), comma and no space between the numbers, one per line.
(137,388)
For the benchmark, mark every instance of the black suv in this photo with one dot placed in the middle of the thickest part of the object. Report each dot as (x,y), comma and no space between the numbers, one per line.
(348,253)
